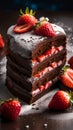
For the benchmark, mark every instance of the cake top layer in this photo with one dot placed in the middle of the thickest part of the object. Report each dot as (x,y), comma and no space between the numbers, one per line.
(23,44)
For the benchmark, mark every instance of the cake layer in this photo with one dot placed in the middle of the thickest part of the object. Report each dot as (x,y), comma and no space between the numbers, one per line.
(34,82)
(30,46)
(24,94)
(26,68)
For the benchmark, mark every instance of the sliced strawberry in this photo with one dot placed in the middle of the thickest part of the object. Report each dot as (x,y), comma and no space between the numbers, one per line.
(70,61)
(50,68)
(27,17)
(54,64)
(60,48)
(1,42)
(41,87)
(22,28)
(59,63)
(53,49)
(34,62)
(48,53)
(45,70)
(66,80)
(48,84)
(70,73)
(41,58)
(37,75)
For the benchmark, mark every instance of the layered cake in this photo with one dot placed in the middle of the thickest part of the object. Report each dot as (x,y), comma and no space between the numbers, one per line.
(2,56)
(34,62)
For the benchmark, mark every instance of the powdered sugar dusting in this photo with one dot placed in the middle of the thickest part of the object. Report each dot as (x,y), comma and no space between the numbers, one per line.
(69,33)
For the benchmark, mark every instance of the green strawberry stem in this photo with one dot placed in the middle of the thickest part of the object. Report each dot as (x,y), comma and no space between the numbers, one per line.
(6,100)
(38,24)
(71,97)
(27,11)
(65,68)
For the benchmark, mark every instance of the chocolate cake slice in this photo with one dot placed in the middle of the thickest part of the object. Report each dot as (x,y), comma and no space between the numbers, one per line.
(34,63)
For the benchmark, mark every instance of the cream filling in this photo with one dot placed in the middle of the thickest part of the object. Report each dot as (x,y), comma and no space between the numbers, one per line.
(41,73)
(44,87)
(53,50)
(48,69)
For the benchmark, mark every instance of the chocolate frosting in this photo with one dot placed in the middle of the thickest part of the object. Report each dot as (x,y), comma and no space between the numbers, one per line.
(23,44)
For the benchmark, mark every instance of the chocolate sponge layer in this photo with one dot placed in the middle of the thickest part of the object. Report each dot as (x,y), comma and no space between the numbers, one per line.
(33,83)
(23,94)
(25,67)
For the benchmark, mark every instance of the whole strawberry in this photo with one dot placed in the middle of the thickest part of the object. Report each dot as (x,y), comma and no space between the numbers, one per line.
(10,109)
(26,21)
(67,77)
(70,62)
(27,17)
(44,28)
(61,101)
(1,42)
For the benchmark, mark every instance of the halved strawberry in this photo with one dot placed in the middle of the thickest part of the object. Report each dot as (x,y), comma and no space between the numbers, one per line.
(1,42)
(70,73)
(70,62)
(25,22)
(22,28)
(41,87)
(67,77)
(44,28)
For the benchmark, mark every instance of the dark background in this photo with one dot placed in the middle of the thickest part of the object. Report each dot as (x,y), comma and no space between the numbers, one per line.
(52,5)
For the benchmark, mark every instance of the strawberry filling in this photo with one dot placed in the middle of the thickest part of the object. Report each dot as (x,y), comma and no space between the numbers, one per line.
(43,87)
(41,73)
(48,69)
(53,50)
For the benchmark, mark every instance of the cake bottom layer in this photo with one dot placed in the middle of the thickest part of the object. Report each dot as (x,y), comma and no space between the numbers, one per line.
(23,94)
